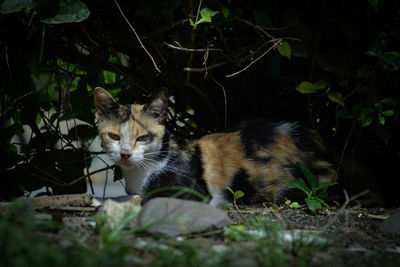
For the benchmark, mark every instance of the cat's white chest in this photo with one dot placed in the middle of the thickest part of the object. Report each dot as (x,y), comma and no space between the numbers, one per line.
(136,177)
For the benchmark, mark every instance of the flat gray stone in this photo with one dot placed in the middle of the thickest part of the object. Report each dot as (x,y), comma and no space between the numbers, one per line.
(173,217)
(392,224)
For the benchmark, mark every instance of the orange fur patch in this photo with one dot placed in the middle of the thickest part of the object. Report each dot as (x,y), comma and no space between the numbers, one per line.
(222,156)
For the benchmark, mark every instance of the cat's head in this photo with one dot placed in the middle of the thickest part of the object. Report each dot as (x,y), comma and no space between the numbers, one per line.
(131,134)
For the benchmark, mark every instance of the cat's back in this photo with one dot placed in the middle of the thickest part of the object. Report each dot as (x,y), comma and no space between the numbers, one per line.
(259,158)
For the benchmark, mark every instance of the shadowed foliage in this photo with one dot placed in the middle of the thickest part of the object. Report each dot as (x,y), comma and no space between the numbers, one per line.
(332,65)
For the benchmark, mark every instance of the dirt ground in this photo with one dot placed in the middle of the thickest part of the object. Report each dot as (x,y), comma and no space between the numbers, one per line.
(355,234)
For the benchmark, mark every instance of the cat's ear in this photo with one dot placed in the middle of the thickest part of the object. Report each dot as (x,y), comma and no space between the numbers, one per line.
(105,103)
(158,105)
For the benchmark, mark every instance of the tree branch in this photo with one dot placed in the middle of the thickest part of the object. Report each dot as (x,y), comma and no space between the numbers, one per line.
(276,42)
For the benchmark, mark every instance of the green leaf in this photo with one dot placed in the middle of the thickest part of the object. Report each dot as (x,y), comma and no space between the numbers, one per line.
(284,49)
(239,228)
(378,106)
(238,194)
(336,97)
(13,148)
(309,176)
(109,77)
(381,119)
(323,185)
(366,120)
(306,88)
(192,23)
(313,204)
(367,111)
(388,113)
(367,116)
(11,6)
(69,11)
(374,4)
(389,101)
(320,85)
(230,190)
(299,184)
(262,19)
(344,114)
(295,205)
(205,17)
(225,12)
(390,60)
(320,200)
(390,57)
(209,11)
(287,202)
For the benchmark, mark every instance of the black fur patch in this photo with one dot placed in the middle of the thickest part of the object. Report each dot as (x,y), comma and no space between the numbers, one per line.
(256,135)
(121,114)
(264,160)
(183,173)
(165,146)
(241,182)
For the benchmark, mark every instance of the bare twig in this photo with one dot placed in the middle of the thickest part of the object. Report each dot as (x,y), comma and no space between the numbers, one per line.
(346,199)
(362,193)
(225,100)
(178,46)
(255,26)
(89,174)
(137,36)
(352,198)
(344,149)
(16,101)
(276,42)
(42,45)
(190,69)
(205,61)
(8,63)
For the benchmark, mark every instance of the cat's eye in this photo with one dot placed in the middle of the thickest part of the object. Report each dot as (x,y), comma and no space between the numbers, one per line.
(143,138)
(114,136)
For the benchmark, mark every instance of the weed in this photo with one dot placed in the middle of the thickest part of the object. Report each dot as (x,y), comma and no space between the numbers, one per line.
(314,199)
(294,204)
(236,195)
(274,246)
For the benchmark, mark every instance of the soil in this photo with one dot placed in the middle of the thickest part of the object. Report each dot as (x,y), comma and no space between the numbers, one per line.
(356,235)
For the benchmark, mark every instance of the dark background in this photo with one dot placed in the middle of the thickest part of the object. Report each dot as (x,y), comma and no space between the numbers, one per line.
(53,63)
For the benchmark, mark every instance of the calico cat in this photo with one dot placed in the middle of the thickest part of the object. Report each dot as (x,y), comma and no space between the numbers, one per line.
(258,158)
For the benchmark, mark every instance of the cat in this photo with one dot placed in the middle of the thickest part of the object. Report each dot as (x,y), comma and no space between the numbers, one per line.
(258,158)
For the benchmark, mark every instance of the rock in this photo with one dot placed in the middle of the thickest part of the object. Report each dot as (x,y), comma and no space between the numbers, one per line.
(173,217)
(392,224)
(118,213)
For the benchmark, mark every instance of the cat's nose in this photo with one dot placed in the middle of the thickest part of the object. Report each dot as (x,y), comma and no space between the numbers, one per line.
(125,156)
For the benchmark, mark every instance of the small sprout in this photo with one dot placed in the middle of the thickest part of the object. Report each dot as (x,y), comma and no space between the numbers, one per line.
(291,204)
(206,15)
(236,195)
